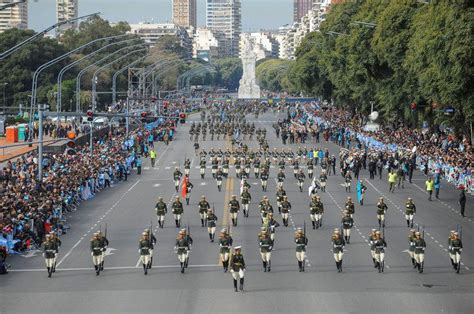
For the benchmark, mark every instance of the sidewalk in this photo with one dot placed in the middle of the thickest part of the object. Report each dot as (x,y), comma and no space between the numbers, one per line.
(16,151)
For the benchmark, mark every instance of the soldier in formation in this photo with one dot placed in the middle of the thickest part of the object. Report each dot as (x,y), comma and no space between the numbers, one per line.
(177,210)
(301,242)
(182,248)
(316,212)
(161,210)
(237,268)
(211,224)
(381,210)
(203,208)
(144,247)
(266,247)
(338,245)
(410,210)
(234,208)
(347,223)
(225,244)
(49,253)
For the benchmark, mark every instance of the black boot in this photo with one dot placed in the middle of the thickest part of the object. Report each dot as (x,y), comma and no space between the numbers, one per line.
(202,222)
(176,222)
(102,266)
(340,266)
(151,262)
(337,266)
(299,266)
(269,266)
(375,263)
(349,240)
(242,284)
(187,201)
(235,285)
(182,268)
(144,269)
(265,266)
(317,224)
(210,236)
(421,267)
(49,272)
(314,224)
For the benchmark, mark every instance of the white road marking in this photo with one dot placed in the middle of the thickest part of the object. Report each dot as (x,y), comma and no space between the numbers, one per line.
(108,268)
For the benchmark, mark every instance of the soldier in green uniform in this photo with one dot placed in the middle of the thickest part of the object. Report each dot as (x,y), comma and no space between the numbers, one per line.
(338,244)
(234,208)
(347,223)
(419,254)
(301,242)
(350,207)
(285,210)
(455,249)
(300,176)
(323,178)
(237,165)
(161,210)
(177,210)
(96,252)
(104,242)
(380,246)
(214,166)
(152,239)
(237,268)
(280,193)
(264,179)
(381,210)
(372,238)
(202,167)
(182,248)
(310,166)
(225,243)
(211,224)
(177,177)
(272,224)
(187,166)
(265,208)
(189,187)
(316,208)
(410,210)
(225,167)
(245,198)
(280,178)
(58,243)
(49,253)
(203,208)
(296,168)
(266,246)
(256,167)
(411,248)
(144,247)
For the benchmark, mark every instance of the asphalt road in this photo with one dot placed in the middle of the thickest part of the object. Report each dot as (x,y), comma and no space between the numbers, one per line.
(127,209)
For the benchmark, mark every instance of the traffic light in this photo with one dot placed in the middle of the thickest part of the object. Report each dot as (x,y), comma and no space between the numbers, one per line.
(144,114)
(413,106)
(90,116)
(182,117)
(71,143)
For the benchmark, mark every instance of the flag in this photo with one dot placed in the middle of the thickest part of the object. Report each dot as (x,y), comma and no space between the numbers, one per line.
(184,189)
(359,191)
(241,185)
(312,187)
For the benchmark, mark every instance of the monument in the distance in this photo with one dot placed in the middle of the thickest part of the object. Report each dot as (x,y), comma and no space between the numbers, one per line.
(248,87)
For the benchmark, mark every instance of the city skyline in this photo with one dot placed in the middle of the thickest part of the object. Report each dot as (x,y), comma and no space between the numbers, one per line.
(43,14)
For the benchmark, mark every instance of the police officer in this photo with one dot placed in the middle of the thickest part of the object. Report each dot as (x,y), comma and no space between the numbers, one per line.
(96,252)
(410,210)
(347,223)
(381,210)
(264,179)
(177,177)
(225,243)
(211,224)
(177,210)
(203,208)
(245,198)
(455,249)
(49,253)
(380,246)
(237,268)
(316,212)
(161,210)
(338,244)
(266,246)
(285,210)
(234,208)
(301,242)
(144,247)
(182,248)
(300,177)
(419,254)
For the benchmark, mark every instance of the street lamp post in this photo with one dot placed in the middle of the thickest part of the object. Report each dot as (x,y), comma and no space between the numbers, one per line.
(4,86)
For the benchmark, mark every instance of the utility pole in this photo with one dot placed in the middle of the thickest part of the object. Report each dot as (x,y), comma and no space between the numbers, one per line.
(41,108)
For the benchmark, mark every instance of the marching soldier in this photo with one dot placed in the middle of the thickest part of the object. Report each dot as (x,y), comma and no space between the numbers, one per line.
(219,175)
(237,164)
(177,210)
(144,247)
(214,166)
(338,244)
(380,246)
(279,196)
(104,243)
(234,208)
(296,167)
(189,187)
(152,239)
(272,225)
(301,242)
(187,167)
(347,181)
(182,248)
(411,248)
(310,166)
(237,268)
(202,167)
(300,177)
(455,249)
(264,179)
(285,210)
(381,210)
(372,238)
(49,253)
(323,178)
(265,208)
(419,254)
(280,178)
(161,211)
(225,167)
(203,208)
(350,207)
(256,167)
(177,177)
(96,252)
(347,224)
(58,243)
(316,212)
(225,243)
(247,168)
(266,246)
(211,224)
(245,198)
(410,210)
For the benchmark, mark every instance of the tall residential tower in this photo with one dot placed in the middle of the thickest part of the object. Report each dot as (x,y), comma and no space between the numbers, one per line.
(301,8)
(184,13)
(66,10)
(224,19)
(14,17)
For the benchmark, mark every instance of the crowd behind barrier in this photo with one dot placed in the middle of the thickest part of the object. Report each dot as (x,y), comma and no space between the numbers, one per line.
(436,152)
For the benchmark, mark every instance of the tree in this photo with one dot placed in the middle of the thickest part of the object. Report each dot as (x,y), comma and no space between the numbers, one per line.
(229,72)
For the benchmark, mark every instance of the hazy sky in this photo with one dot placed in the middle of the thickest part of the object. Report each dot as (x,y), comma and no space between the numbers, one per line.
(256,14)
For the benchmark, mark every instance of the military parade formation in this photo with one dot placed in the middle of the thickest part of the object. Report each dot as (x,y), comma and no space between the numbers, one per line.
(250,162)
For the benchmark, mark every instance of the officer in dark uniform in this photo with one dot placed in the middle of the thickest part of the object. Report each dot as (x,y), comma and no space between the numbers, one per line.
(338,244)
(144,247)
(234,208)
(410,210)
(225,243)
(350,207)
(161,210)
(380,246)
(266,246)
(211,224)
(203,208)
(105,244)
(381,210)
(96,252)
(177,210)
(182,248)
(49,253)
(347,223)
(316,212)
(301,242)
(419,254)
(245,198)
(455,249)
(202,167)
(280,193)
(237,268)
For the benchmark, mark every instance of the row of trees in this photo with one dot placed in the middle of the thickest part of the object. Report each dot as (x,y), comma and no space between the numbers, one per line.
(403,53)
(17,69)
